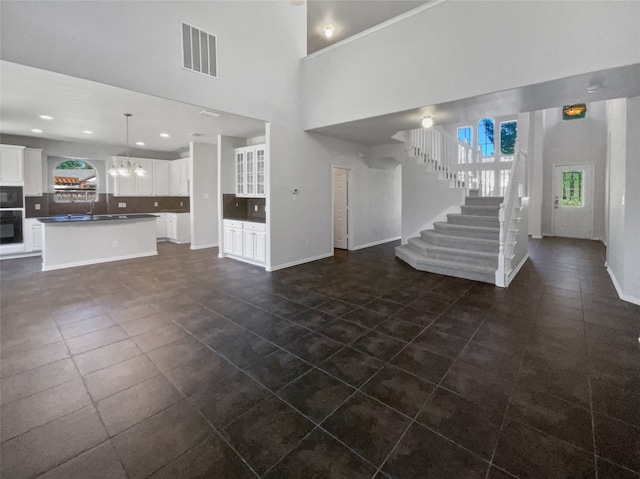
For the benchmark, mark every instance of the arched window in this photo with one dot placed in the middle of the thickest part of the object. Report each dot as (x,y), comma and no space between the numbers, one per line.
(485,137)
(75,181)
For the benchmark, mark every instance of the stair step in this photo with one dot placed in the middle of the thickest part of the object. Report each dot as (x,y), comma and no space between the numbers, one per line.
(483,200)
(460,256)
(449,268)
(471,220)
(480,232)
(477,210)
(460,242)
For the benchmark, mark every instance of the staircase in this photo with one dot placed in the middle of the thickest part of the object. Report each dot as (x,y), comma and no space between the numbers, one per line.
(465,246)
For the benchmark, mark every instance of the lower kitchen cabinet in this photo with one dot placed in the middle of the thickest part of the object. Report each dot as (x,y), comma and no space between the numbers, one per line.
(178,227)
(32,235)
(245,239)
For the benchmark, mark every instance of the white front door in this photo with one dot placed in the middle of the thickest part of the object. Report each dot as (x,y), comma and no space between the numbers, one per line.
(340,208)
(573,201)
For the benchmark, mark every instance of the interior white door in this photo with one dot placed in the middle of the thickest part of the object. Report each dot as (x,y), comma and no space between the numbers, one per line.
(573,201)
(340,207)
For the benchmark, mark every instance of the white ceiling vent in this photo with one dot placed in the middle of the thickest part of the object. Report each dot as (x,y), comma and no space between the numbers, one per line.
(199,51)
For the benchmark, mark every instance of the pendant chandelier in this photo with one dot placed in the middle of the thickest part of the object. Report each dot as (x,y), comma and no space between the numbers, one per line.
(121,167)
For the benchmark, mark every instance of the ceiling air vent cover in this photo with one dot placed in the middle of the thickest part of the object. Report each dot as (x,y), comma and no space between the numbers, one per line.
(199,51)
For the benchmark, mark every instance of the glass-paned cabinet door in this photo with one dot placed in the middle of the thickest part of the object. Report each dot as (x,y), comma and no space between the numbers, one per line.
(240,190)
(260,152)
(251,185)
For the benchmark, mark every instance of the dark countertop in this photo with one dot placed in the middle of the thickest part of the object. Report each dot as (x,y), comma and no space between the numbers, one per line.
(174,211)
(247,219)
(89,218)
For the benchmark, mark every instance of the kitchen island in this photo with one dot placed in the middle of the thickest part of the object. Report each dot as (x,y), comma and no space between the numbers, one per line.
(78,240)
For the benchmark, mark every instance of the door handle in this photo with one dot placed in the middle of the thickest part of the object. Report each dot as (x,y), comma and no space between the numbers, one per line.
(555,203)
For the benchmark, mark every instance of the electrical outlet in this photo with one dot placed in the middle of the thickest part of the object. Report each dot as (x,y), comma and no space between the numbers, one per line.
(37,206)
(181,203)
(155,203)
(115,244)
(256,207)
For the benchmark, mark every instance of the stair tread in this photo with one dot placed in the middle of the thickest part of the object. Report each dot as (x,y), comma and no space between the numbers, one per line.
(473,216)
(444,249)
(484,228)
(459,238)
(446,263)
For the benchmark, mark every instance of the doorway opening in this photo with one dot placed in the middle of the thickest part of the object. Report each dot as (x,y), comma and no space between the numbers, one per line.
(340,208)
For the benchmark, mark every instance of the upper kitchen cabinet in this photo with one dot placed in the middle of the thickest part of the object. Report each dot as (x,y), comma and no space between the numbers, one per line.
(11,164)
(250,164)
(33,172)
(161,178)
(179,177)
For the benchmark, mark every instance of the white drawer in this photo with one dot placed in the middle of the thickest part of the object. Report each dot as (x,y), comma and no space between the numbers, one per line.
(254,226)
(232,224)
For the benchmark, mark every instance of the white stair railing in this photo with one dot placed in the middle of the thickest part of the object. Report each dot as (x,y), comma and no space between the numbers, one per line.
(507,218)
(453,159)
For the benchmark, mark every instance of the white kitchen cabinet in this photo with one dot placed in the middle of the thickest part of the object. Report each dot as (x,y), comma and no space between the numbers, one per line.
(32,235)
(250,170)
(144,184)
(161,178)
(245,239)
(179,227)
(179,177)
(11,164)
(161,225)
(232,239)
(32,172)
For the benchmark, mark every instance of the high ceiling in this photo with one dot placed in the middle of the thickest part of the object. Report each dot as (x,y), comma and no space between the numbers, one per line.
(348,17)
(78,105)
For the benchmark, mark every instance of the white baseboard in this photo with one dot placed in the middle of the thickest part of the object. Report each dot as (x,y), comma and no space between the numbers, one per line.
(375,243)
(537,237)
(204,246)
(302,261)
(624,297)
(21,255)
(97,261)
(514,272)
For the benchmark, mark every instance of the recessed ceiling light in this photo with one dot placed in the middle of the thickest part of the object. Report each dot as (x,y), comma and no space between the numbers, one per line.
(194,134)
(36,130)
(165,135)
(46,117)
(140,143)
(87,132)
(210,113)
(328,31)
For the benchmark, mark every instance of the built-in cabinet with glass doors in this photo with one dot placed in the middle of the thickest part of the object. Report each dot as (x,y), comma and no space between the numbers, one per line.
(250,170)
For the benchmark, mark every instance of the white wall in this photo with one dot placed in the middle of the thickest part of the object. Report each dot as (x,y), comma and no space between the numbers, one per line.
(632,200)
(462,49)
(575,142)
(623,255)
(204,195)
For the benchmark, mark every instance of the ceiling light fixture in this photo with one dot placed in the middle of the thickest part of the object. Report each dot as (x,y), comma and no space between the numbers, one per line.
(36,130)
(427,122)
(46,117)
(125,167)
(593,88)
(328,31)
(215,114)
(165,135)
(87,132)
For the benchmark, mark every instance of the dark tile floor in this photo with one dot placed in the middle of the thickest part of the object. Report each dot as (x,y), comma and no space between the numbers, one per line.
(189,366)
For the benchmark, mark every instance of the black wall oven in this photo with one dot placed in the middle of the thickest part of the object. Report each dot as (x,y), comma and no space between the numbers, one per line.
(11,197)
(10,226)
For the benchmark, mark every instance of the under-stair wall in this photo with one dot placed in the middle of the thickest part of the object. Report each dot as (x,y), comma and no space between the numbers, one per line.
(425,199)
